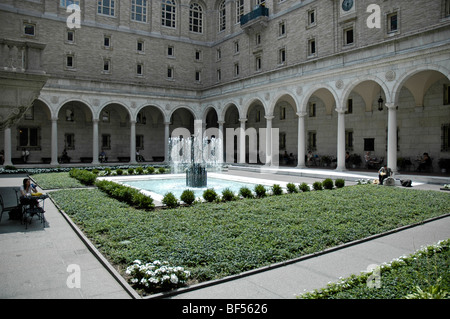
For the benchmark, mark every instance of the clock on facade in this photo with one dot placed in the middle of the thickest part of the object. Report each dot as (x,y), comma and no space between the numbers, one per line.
(347,5)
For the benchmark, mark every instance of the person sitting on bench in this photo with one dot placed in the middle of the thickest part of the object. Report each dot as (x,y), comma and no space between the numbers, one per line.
(25,194)
(384,173)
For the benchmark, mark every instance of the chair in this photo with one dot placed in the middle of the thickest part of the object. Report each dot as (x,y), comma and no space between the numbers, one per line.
(30,212)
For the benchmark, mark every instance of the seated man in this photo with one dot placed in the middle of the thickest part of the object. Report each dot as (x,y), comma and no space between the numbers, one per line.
(424,163)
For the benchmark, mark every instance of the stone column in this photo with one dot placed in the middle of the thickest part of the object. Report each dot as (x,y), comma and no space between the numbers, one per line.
(8,151)
(242,141)
(301,143)
(392,137)
(341,140)
(54,139)
(166,142)
(221,135)
(95,148)
(133,142)
(269,119)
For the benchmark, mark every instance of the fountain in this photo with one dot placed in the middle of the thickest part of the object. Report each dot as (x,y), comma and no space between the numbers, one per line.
(195,156)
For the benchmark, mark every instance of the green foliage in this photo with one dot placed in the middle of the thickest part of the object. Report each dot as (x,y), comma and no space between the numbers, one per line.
(161,170)
(95,171)
(317,186)
(150,170)
(84,176)
(170,200)
(210,195)
(260,191)
(119,171)
(276,189)
(107,171)
(339,183)
(139,170)
(126,194)
(303,187)
(422,275)
(214,240)
(130,171)
(245,192)
(56,181)
(188,196)
(291,188)
(228,195)
(327,183)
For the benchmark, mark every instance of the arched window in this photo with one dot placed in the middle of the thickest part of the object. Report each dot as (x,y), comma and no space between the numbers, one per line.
(222,16)
(196,18)
(168,13)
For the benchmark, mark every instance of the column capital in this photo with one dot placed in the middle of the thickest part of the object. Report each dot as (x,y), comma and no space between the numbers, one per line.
(95,121)
(340,110)
(243,120)
(391,106)
(301,114)
(167,123)
(133,122)
(221,122)
(54,118)
(269,117)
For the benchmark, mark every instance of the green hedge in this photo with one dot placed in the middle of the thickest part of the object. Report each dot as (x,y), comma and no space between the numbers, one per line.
(126,194)
(84,176)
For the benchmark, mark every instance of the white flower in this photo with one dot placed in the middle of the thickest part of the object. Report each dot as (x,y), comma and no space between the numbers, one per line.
(137,261)
(174,279)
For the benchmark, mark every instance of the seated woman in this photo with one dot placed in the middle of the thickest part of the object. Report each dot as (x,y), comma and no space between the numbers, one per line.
(424,163)
(26,191)
(383,173)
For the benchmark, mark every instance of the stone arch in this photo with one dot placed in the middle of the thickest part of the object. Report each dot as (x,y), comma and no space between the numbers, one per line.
(283,96)
(323,92)
(369,89)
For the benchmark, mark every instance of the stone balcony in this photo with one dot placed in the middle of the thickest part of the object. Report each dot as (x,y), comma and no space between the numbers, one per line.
(21,78)
(255,20)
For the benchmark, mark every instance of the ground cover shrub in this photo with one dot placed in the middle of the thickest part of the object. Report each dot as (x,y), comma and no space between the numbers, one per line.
(150,170)
(245,192)
(188,196)
(291,188)
(317,186)
(130,171)
(170,200)
(210,195)
(327,183)
(424,274)
(228,195)
(276,189)
(303,187)
(260,191)
(107,171)
(214,240)
(161,170)
(119,171)
(339,183)
(139,170)
(56,181)
(84,176)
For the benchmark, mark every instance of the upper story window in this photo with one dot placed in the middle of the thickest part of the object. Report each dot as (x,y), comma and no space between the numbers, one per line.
(139,10)
(195,18)
(222,16)
(239,10)
(392,20)
(106,7)
(66,3)
(168,13)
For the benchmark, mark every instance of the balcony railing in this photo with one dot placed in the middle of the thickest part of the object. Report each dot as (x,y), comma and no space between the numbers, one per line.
(261,11)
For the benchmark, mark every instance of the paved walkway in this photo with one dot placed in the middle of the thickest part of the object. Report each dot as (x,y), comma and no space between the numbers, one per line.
(34,262)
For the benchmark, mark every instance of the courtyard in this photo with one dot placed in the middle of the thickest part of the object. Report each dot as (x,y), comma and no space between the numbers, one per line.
(223,240)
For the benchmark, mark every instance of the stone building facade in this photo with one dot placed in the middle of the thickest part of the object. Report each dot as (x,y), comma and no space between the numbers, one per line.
(333,76)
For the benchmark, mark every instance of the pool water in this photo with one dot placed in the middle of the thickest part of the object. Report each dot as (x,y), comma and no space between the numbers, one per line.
(178,185)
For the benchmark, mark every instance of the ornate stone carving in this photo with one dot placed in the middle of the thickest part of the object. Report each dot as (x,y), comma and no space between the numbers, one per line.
(390,75)
(339,84)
